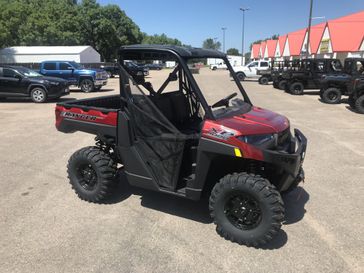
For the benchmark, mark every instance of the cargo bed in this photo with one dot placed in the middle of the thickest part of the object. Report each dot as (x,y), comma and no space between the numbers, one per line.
(95,116)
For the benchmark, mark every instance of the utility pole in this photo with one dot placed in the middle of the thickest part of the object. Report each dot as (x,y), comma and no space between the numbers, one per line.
(223,38)
(242,34)
(309,30)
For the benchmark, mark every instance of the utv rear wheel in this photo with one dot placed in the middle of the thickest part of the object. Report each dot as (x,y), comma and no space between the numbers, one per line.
(87,85)
(241,76)
(351,102)
(359,104)
(275,84)
(38,95)
(92,174)
(282,84)
(296,88)
(331,95)
(246,209)
(263,80)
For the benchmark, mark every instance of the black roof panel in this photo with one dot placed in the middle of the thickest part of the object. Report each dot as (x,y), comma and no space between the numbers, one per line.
(184,52)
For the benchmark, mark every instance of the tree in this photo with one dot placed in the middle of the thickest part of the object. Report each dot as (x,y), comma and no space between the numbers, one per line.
(233,51)
(273,37)
(162,39)
(210,44)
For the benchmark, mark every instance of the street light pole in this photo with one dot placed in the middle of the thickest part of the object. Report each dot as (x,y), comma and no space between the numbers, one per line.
(242,34)
(309,30)
(223,38)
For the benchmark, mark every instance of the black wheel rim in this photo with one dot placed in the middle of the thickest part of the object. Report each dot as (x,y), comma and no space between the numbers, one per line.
(332,96)
(87,85)
(87,177)
(243,211)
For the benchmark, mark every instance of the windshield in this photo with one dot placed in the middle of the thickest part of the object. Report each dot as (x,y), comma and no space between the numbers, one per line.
(28,72)
(76,65)
(216,84)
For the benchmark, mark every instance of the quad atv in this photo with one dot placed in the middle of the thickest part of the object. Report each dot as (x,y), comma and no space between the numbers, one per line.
(308,73)
(336,85)
(191,137)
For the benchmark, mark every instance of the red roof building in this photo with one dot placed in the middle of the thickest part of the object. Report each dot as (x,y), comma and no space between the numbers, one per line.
(262,49)
(255,51)
(270,49)
(295,42)
(316,34)
(280,46)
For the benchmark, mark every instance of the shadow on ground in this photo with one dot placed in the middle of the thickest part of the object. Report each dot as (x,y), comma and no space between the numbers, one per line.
(102,90)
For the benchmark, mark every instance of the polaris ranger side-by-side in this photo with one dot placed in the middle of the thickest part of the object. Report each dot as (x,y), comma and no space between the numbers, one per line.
(307,74)
(193,135)
(336,85)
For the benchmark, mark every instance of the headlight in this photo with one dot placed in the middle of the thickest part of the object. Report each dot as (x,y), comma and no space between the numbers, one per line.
(264,141)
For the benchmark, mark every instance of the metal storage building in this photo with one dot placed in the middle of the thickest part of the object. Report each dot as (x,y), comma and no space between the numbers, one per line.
(37,54)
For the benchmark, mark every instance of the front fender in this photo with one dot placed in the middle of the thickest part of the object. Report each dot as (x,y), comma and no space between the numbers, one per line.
(31,86)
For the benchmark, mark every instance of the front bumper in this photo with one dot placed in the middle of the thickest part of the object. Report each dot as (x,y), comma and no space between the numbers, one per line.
(289,163)
(100,82)
(58,91)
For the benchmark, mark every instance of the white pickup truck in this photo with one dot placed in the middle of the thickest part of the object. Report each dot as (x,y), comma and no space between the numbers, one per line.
(220,65)
(250,70)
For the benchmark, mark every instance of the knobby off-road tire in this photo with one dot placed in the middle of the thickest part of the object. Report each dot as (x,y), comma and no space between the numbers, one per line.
(351,102)
(241,76)
(359,104)
(296,88)
(282,84)
(263,80)
(92,174)
(331,95)
(246,209)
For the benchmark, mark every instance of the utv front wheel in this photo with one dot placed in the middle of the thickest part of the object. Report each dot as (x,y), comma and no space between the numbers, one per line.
(246,209)
(241,76)
(282,84)
(359,104)
(296,88)
(263,80)
(331,95)
(92,174)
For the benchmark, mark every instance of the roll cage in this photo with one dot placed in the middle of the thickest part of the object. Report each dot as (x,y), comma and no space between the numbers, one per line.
(186,80)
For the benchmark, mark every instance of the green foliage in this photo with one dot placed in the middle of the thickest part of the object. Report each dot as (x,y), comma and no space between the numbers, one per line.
(233,51)
(71,22)
(160,40)
(210,44)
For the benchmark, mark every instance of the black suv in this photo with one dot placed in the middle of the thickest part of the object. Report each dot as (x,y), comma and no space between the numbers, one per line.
(18,81)
(356,92)
(308,73)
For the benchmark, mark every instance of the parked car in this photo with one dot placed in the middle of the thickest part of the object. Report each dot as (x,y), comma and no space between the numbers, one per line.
(336,85)
(154,66)
(250,70)
(218,66)
(179,143)
(111,70)
(135,69)
(19,81)
(87,79)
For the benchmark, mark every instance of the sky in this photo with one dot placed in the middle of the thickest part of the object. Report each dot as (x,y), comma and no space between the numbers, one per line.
(193,21)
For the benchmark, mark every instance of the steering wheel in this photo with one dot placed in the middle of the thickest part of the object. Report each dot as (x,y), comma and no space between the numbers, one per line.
(224,101)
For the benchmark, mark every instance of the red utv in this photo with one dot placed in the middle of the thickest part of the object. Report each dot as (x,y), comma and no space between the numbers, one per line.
(193,135)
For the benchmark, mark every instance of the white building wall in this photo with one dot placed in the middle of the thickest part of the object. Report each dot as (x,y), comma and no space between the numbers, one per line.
(25,58)
(286,52)
(362,46)
(234,60)
(89,55)
(277,52)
